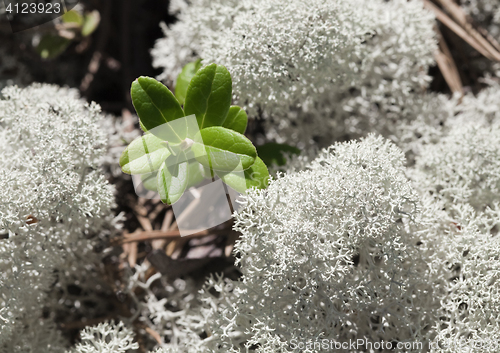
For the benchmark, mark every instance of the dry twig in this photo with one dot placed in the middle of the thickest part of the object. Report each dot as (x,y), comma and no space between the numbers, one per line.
(153,334)
(95,61)
(158,234)
(459,15)
(469,35)
(447,65)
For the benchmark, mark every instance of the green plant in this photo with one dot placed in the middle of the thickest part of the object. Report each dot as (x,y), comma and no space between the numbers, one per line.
(195,136)
(73,27)
(275,153)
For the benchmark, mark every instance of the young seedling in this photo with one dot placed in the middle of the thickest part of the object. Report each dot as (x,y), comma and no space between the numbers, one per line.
(195,136)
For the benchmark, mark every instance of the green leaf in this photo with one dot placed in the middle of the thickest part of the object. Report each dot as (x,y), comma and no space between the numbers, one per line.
(184,79)
(209,96)
(51,46)
(72,16)
(172,179)
(144,155)
(149,181)
(223,149)
(236,119)
(90,23)
(196,174)
(156,106)
(256,176)
(272,153)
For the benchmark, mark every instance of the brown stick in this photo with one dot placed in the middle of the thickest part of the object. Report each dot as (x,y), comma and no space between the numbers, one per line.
(489,37)
(167,220)
(459,15)
(156,211)
(158,234)
(95,61)
(132,255)
(165,226)
(446,64)
(153,334)
(141,214)
(462,33)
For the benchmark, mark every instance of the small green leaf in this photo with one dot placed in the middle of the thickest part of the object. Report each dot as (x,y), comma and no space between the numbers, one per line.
(72,16)
(51,46)
(196,174)
(172,179)
(223,149)
(156,106)
(272,153)
(149,181)
(209,95)
(90,22)
(144,155)
(236,119)
(256,176)
(184,78)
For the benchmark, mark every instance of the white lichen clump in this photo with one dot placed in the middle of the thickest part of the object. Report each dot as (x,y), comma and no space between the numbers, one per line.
(55,204)
(459,177)
(328,253)
(316,70)
(106,338)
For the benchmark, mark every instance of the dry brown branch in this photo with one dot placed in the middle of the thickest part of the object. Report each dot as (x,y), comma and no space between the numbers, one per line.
(153,334)
(462,33)
(92,69)
(158,234)
(447,65)
(125,252)
(165,226)
(171,247)
(460,17)
(145,222)
(175,247)
(167,220)
(132,255)
(156,211)
(102,41)
(489,37)
(141,213)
